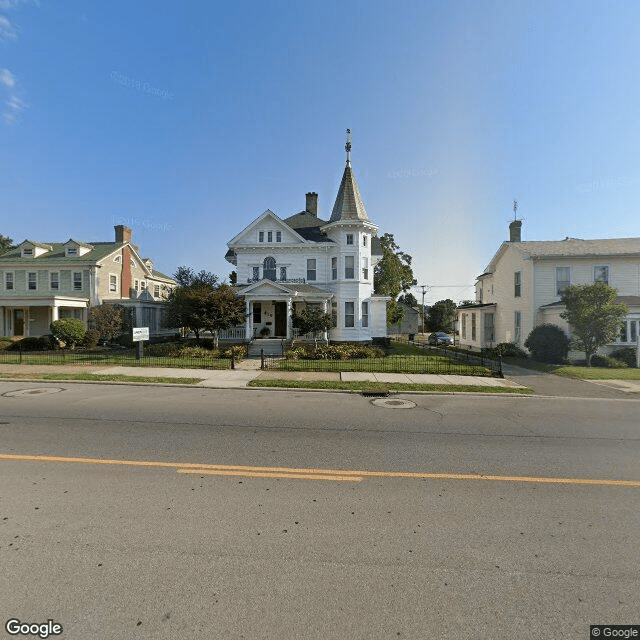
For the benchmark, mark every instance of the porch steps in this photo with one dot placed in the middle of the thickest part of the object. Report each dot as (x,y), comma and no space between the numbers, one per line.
(272,347)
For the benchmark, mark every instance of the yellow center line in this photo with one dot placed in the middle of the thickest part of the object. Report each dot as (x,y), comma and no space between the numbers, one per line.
(265,474)
(316,474)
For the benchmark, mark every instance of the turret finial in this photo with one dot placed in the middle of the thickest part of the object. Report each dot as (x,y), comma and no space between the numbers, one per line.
(347,147)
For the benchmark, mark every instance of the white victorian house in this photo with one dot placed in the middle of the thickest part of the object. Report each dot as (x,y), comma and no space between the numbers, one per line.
(285,264)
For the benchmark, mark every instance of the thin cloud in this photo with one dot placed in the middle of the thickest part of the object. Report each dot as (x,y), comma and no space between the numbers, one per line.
(6,78)
(7,30)
(13,107)
(12,4)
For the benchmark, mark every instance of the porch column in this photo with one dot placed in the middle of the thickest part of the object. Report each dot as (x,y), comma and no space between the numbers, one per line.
(54,313)
(248,318)
(289,312)
(325,333)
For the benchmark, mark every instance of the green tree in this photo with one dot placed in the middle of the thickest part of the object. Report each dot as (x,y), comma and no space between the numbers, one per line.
(392,275)
(442,315)
(200,304)
(69,330)
(593,316)
(107,320)
(5,243)
(311,320)
(409,299)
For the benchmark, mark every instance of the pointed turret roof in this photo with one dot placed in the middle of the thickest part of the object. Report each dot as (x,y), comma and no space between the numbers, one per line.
(349,204)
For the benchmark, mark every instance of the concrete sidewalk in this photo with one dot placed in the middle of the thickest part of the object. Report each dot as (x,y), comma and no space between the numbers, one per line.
(242,375)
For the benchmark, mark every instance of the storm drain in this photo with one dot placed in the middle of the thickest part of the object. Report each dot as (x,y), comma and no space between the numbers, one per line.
(393,404)
(26,393)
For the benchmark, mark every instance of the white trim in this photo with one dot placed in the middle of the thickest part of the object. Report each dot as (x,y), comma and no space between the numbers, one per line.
(115,289)
(28,288)
(13,281)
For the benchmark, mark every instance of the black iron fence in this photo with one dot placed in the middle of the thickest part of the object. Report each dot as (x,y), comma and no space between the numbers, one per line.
(434,361)
(125,357)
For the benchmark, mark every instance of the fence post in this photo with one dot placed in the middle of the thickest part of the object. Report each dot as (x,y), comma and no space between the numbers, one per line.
(262,359)
(500,365)
(20,354)
(233,359)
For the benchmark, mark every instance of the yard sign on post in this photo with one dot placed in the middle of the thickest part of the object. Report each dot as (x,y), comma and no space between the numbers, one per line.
(140,334)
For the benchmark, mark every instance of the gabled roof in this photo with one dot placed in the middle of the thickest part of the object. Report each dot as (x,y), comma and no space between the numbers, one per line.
(288,288)
(56,253)
(568,248)
(40,245)
(575,247)
(267,214)
(80,244)
(348,204)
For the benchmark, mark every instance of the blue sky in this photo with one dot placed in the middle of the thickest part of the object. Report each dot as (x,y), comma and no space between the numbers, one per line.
(188,120)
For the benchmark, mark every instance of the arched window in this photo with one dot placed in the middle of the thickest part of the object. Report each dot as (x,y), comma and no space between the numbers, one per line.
(269,269)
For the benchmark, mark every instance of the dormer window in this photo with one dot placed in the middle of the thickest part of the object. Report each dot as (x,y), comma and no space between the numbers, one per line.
(72,251)
(27,252)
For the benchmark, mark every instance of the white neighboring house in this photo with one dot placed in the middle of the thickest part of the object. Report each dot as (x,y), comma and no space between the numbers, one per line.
(522,286)
(42,282)
(283,265)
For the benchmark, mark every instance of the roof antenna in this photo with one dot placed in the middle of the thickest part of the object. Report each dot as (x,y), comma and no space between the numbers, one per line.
(515,209)
(347,147)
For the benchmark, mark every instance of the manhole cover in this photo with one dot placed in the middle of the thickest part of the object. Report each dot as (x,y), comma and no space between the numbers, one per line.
(393,404)
(22,393)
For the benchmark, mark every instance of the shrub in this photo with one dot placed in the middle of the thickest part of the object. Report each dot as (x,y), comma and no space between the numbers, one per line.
(71,331)
(548,343)
(506,350)
(598,360)
(107,321)
(91,338)
(333,352)
(239,351)
(30,344)
(626,354)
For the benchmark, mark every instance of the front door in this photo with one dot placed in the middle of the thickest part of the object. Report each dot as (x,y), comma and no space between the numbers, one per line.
(18,322)
(280,329)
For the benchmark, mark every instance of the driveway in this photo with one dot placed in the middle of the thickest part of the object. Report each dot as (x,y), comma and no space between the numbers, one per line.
(548,384)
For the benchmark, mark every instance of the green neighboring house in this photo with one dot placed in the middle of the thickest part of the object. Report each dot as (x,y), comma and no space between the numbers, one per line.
(41,282)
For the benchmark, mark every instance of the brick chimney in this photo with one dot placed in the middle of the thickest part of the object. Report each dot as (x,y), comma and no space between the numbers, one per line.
(515,228)
(123,234)
(312,204)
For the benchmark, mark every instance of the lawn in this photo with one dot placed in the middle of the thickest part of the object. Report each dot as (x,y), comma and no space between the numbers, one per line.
(57,358)
(100,378)
(598,373)
(377,386)
(389,364)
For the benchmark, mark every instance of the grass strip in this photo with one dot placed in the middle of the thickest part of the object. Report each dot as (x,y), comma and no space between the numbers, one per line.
(597,373)
(100,377)
(392,386)
(177,363)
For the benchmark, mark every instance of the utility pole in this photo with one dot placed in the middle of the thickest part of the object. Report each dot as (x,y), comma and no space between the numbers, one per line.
(424,288)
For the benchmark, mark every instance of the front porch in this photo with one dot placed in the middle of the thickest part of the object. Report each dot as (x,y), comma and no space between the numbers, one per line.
(270,306)
(25,318)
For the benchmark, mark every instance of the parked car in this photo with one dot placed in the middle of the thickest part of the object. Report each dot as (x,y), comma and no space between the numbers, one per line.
(438,338)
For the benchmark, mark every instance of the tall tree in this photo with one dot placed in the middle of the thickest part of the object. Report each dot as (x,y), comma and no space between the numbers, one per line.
(409,299)
(442,315)
(392,275)
(200,304)
(5,243)
(311,320)
(593,316)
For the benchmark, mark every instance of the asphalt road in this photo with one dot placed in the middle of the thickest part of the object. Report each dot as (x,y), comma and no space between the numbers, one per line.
(147,551)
